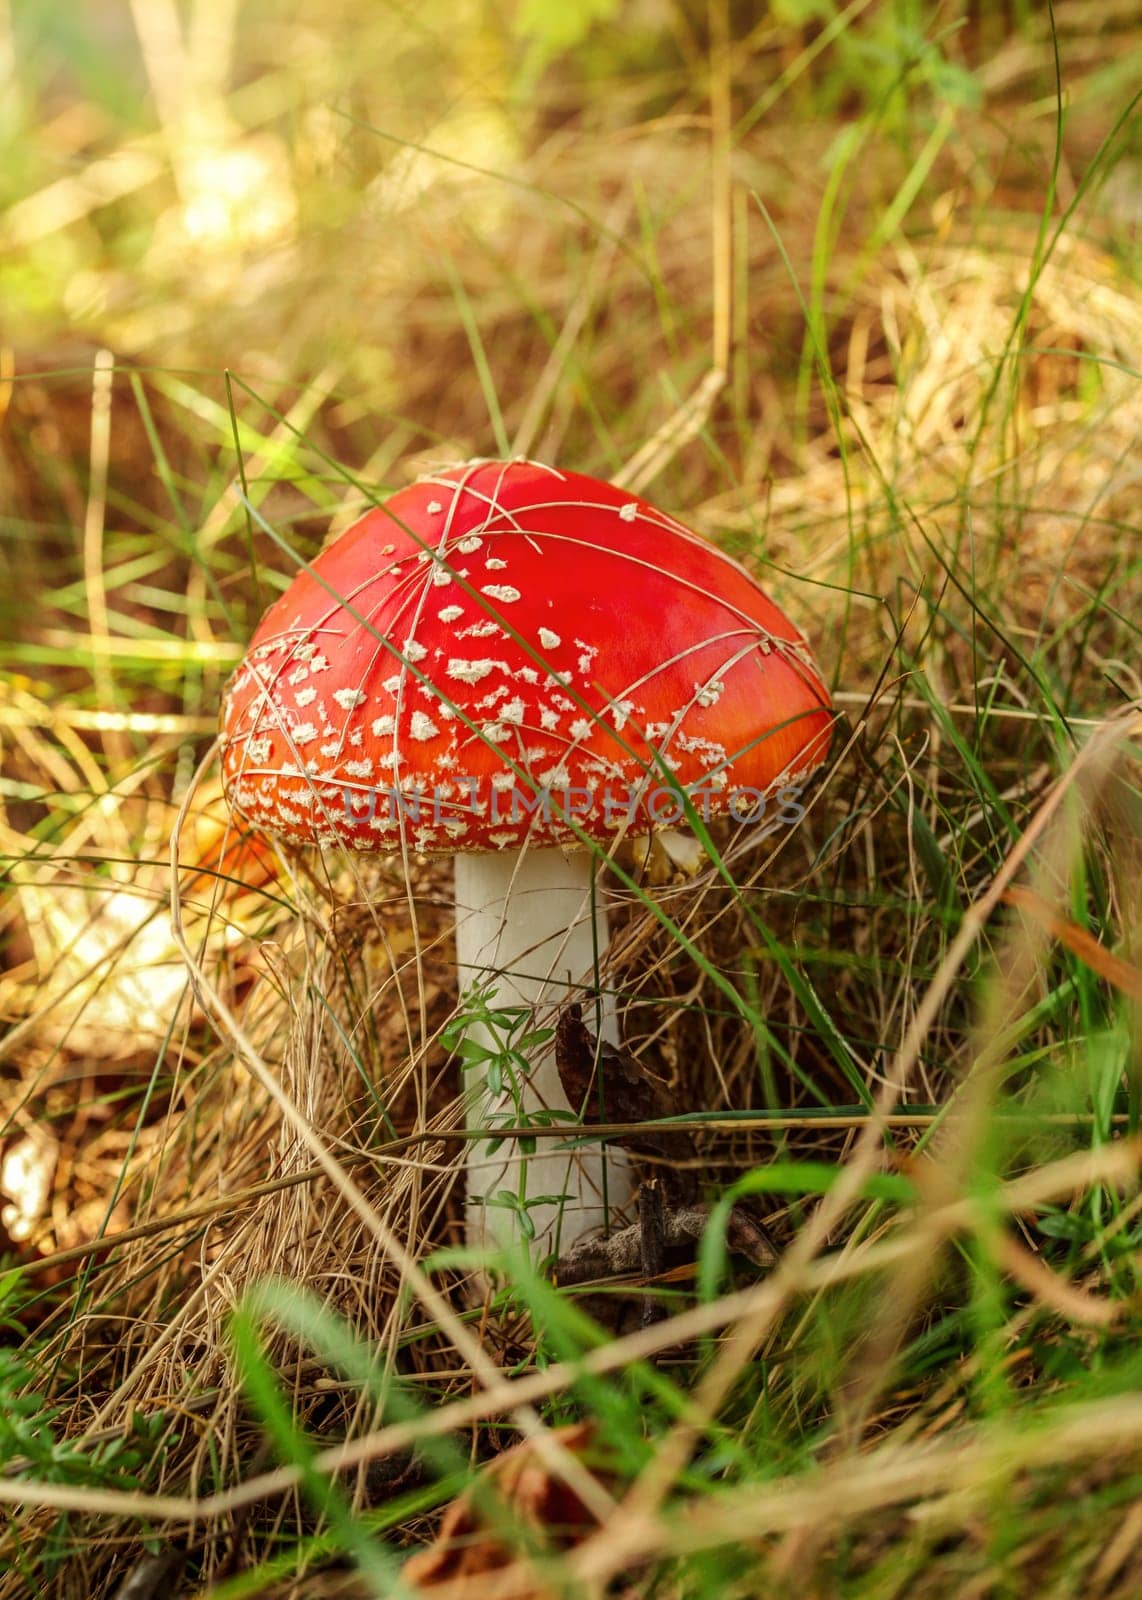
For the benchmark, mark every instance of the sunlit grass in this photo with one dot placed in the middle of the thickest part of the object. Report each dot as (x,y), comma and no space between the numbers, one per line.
(852,291)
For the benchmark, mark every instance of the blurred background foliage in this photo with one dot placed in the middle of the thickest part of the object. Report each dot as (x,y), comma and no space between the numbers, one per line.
(264,182)
(463,227)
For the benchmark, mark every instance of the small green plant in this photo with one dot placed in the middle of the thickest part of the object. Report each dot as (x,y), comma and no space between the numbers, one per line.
(505,1067)
(33,1444)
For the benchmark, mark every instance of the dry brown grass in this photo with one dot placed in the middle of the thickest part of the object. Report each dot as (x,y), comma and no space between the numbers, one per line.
(955,536)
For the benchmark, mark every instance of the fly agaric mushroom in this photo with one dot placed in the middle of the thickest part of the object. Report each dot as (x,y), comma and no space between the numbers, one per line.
(505,663)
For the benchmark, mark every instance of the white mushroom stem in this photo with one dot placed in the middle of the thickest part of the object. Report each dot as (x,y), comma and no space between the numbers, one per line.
(530,925)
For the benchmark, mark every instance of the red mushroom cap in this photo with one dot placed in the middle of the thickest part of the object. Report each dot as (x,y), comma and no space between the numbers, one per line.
(500,645)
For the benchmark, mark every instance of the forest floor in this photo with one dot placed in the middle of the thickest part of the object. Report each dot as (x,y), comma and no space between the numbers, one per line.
(853,292)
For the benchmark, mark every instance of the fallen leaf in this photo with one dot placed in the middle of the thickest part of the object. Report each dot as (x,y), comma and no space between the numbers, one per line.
(470,1557)
(235,856)
(26,1173)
